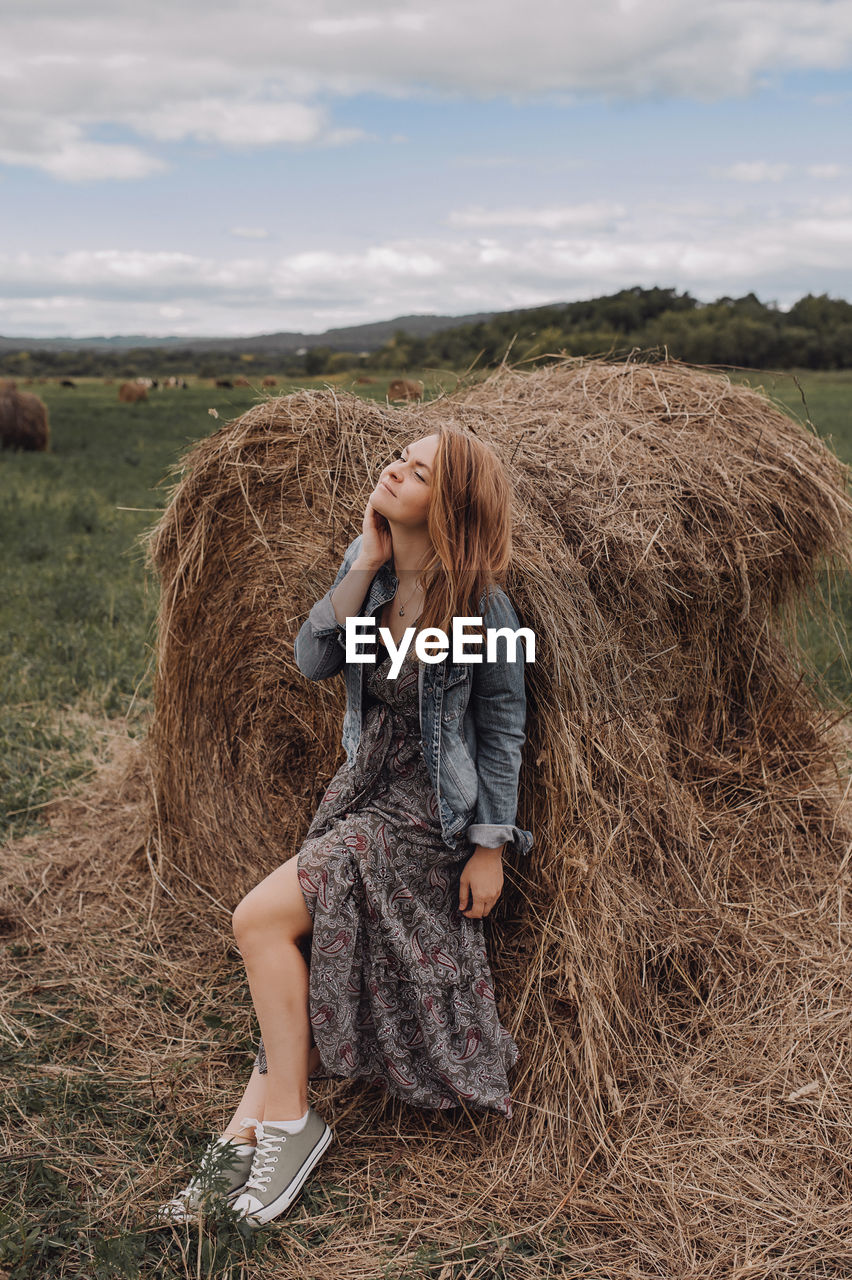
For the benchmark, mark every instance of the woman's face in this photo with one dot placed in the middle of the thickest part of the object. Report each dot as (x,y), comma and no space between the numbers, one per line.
(405,484)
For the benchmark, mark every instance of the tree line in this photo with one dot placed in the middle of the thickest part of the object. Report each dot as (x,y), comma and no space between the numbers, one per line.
(815,333)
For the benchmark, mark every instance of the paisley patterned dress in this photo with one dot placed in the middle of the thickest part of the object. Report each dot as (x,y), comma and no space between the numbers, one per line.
(400,990)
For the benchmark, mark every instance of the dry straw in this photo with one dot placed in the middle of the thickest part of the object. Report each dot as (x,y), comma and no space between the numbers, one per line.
(130,392)
(24,420)
(676,761)
(673,956)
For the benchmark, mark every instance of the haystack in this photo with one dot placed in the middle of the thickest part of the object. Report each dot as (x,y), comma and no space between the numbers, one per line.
(680,911)
(405,389)
(130,392)
(673,957)
(24,420)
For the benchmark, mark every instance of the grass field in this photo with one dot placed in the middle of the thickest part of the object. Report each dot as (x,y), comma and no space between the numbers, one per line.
(76,607)
(78,615)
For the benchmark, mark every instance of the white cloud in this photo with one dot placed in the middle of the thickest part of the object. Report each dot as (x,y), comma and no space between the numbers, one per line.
(550,219)
(86,161)
(827,171)
(325,267)
(701,248)
(233,123)
(253,75)
(369,23)
(755,171)
(339,137)
(59,148)
(758,171)
(837,207)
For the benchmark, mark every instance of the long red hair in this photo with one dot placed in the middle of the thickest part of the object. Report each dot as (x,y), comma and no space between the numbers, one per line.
(470,525)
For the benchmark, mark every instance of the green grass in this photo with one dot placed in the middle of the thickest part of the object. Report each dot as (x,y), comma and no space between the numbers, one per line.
(75,605)
(824,400)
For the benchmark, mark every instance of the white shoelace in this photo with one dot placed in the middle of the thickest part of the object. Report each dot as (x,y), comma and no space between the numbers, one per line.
(265,1156)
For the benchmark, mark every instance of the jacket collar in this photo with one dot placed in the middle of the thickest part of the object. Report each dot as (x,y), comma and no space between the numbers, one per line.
(384,585)
(382,588)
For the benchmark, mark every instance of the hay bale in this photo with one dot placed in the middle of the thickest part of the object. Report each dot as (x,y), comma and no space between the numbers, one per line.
(241,382)
(269,382)
(130,392)
(24,420)
(678,775)
(405,389)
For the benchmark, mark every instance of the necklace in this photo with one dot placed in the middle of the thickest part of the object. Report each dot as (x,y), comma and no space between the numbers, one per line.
(401,611)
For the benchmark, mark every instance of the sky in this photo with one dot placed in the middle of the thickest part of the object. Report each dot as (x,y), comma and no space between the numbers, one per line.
(231,169)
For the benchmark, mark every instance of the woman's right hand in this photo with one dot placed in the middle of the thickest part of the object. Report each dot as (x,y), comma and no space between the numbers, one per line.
(377,545)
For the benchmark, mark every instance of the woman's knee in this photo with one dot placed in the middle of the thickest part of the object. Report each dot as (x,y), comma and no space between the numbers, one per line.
(244,919)
(276,904)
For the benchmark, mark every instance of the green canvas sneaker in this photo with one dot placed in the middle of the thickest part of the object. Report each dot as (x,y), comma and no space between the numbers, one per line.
(280,1168)
(223,1170)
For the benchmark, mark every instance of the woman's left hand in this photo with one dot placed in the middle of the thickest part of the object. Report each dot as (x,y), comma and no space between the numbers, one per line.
(481,882)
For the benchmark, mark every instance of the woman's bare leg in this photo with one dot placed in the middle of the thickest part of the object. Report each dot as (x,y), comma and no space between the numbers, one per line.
(267,925)
(251,1105)
(254,1100)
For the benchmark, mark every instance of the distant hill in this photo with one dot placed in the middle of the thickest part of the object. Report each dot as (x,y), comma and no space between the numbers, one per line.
(359,337)
(814,333)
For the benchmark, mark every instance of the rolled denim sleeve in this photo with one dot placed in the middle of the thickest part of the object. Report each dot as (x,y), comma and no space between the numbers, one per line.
(499,706)
(320,646)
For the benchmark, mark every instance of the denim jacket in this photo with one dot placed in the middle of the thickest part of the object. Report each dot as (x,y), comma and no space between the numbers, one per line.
(472,715)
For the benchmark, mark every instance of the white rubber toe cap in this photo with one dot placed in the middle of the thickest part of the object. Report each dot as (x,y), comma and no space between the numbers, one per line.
(246,1205)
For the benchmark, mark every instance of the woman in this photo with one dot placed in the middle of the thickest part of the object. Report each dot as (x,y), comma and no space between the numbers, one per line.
(403,857)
